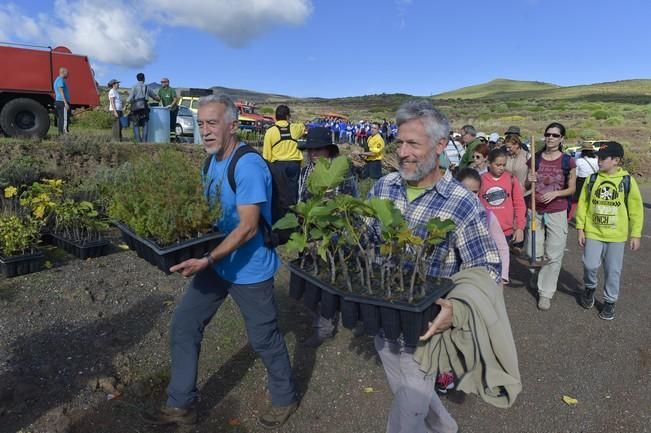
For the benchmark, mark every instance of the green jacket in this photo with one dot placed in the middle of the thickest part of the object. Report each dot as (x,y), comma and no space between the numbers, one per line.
(606,216)
(467,156)
(479,348)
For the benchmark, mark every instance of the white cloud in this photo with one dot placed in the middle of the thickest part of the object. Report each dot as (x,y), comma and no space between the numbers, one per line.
(124,32)
(236,22)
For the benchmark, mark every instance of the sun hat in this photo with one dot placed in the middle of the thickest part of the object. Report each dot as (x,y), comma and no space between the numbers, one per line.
(515,130)
(111,82)
(317,138)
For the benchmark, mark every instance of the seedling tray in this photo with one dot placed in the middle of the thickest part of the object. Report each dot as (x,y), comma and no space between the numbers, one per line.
(166,257)
(82,251)
(393,318)
(14,266)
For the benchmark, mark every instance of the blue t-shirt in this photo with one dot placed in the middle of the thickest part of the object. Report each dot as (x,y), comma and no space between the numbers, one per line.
(60,82)
(253,262)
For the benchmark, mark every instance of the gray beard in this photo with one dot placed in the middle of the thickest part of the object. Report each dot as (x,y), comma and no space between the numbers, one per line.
(423,168)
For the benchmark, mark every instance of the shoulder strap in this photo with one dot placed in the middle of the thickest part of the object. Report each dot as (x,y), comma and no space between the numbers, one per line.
(239,152)
(626,186)
(285,134)
(591,182)
(206,165)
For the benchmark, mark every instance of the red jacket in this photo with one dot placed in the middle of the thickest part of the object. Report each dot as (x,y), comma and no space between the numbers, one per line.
(504,198)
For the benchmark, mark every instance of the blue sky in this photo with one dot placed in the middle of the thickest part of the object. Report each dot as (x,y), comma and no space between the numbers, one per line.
(343,48)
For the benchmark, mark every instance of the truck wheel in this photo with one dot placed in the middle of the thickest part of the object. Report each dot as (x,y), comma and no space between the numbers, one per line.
(24,117)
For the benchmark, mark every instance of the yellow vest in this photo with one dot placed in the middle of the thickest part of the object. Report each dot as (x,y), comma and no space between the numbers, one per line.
(375,145)
(285,150)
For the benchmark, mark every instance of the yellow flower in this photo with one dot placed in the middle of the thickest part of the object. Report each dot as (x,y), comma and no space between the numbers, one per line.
(10,191)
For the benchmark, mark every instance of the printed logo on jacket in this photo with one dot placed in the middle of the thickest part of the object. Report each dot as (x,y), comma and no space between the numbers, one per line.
(606,200)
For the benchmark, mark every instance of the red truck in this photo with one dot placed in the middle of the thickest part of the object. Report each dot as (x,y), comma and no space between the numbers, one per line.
(27,75)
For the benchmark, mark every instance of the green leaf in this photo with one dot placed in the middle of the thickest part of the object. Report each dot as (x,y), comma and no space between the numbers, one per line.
(327,175)
(289,221)
(296,243)
(386,212)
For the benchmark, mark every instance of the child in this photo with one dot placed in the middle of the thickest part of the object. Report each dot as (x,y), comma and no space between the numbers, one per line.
(471,180)
(501,193)
(609,203)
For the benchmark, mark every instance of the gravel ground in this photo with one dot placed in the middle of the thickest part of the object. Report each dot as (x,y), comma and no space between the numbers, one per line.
(83,348)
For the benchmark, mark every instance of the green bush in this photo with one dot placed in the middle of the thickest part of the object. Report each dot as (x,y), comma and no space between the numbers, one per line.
(95,119)
(267,110)
(600,115)
(24,170)
(590,134)
(615,121)
(161,197)
(571,133)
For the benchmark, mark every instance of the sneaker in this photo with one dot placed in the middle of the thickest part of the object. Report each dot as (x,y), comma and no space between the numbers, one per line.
(544,303)
(444,382)
(608,311)
(277,415)
(587,298)
(172,415)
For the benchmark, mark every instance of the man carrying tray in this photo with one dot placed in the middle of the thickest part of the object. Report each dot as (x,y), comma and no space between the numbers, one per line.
(422,192)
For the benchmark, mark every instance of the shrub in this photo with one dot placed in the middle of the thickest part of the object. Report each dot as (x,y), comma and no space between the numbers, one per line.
(267,110)
(162,197)
(615,121)
(600,115)
(571,133)
(590,134)
(20,171)
(95,119)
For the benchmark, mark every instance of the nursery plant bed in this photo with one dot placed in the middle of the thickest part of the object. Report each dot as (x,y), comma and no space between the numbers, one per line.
(165,257)
(83,251)
(395,318)
(14,266)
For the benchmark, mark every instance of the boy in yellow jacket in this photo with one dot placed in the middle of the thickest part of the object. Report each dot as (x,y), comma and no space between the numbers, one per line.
(610,206)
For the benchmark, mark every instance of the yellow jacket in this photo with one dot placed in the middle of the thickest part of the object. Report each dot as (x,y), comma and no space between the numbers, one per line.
(286,150)
(375,145)
(606,215)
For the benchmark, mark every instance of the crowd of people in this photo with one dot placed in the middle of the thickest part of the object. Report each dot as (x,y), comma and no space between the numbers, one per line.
(345,131)
(493,188)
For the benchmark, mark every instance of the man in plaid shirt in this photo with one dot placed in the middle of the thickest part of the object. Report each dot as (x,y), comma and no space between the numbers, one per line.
(422,192)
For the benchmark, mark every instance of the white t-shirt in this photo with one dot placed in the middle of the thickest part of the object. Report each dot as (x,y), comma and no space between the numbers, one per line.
(586,166)
(113,93)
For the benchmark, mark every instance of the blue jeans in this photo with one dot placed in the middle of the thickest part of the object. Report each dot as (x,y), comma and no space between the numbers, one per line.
(204,296)
(140,129)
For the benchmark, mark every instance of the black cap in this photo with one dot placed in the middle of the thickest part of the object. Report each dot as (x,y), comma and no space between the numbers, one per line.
(610,148)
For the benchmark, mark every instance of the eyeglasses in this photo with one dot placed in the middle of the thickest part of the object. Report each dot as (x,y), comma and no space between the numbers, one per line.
(552,134)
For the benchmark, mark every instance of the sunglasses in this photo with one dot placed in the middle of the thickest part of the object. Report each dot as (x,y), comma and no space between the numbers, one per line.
(552,134)
(478,156)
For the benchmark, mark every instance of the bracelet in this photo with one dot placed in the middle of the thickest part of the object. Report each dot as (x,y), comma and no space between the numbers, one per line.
(211,259)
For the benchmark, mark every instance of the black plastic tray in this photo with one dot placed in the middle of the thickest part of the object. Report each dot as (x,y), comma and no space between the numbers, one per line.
(394,318)
(165,258)
(82,251)
(21,265)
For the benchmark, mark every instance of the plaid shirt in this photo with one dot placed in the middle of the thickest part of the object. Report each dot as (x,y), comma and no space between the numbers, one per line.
(468,246)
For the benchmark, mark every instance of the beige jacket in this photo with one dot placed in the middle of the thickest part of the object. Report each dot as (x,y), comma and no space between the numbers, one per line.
(479,348)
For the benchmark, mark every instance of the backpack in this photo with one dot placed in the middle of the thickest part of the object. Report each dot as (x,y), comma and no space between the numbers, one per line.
(285,134)
(281,198)
(565,166)
(624,186)
(140,104)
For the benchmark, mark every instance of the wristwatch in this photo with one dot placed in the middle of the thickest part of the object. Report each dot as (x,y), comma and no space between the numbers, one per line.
(211,259)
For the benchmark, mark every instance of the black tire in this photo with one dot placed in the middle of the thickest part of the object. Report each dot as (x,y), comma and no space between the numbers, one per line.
(24,117)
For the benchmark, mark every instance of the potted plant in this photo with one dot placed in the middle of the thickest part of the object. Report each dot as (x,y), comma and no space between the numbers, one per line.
(19,236)
(379,278)
(159,205)
(74,226)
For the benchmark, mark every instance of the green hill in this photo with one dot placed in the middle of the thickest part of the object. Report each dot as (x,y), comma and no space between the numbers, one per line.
(495,87)
(631,91)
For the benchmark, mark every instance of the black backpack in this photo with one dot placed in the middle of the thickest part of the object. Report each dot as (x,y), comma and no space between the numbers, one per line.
(281,197)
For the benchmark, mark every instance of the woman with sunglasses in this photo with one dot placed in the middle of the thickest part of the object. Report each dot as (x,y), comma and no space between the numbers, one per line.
(479,155)
(555,179)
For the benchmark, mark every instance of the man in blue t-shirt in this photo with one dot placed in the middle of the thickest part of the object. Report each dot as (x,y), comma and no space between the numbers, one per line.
(62,101)
(241,265)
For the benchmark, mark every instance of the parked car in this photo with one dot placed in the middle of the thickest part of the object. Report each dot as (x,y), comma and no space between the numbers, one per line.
(575,151)
(184,122)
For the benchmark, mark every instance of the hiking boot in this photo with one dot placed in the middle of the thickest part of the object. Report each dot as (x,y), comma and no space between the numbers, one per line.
(544,303)
(277,415)
(608,311)
(172,415)
(444,382)
(587,298)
